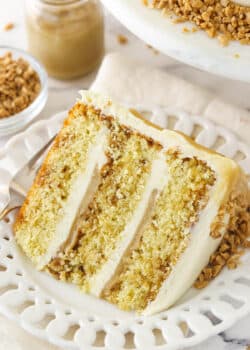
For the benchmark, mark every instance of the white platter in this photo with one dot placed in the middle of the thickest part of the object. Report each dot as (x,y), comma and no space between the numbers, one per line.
(195,49)
(64,316)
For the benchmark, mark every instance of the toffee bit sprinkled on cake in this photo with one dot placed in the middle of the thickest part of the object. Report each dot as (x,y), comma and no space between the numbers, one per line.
(233,244)
(19,85)
(223,39)
(219,18)
(122,39)
(8,26)
(177,20)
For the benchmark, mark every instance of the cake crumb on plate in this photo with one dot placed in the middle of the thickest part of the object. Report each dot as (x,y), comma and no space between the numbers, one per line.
(8,26)
(122,39)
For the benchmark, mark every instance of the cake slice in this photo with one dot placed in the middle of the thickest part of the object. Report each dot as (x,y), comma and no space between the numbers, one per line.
(128,211)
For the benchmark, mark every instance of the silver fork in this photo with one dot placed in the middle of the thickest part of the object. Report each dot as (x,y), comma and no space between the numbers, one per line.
(30,170)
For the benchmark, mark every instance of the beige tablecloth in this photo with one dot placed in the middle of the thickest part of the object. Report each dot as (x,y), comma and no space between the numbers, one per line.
(136,84)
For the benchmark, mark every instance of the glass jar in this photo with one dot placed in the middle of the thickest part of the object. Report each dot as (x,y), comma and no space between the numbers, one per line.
(67,36)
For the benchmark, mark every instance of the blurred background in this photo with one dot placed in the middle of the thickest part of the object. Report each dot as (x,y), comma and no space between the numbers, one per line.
(117,38)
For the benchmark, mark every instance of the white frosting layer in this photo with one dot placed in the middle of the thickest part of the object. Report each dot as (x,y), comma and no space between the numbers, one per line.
(95,158)
(157,181)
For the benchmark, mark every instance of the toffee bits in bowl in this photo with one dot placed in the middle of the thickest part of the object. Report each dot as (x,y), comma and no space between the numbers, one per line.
(19,85)
(23,89)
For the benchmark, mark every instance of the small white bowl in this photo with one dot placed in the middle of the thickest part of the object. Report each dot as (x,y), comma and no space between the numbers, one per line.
(14,123)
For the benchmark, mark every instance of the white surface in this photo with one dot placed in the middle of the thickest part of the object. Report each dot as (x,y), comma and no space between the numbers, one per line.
(49,309)
(196,49)
(63,94)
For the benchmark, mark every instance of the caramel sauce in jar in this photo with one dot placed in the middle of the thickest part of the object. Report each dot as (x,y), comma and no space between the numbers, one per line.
(67,36)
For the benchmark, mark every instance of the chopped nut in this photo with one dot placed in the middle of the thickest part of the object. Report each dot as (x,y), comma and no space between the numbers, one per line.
(224,2)
(215,234)
(19,85)
(122,39)
(223,39)
(246,244)
(222,18)
(208,273)
(237,236)
(178,20)
(224,247)
(8,26)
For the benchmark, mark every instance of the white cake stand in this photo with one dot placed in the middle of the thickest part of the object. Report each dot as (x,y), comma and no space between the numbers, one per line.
(196,49)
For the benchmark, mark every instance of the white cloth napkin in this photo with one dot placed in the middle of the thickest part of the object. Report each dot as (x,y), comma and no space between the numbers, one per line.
(136,84)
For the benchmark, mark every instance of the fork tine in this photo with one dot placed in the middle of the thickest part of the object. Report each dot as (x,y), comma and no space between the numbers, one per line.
(7,210)
(32,163)
(18,188)
(32,166)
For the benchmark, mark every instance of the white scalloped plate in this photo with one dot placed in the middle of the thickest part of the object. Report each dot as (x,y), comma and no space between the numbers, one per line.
(64,316)
(195,49)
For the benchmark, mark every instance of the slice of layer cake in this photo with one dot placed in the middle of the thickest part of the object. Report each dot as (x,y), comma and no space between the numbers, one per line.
(127,211)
